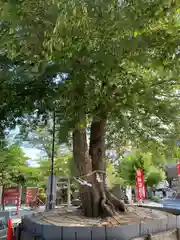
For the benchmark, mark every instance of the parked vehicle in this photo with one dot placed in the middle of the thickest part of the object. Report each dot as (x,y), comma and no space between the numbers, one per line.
(171,193)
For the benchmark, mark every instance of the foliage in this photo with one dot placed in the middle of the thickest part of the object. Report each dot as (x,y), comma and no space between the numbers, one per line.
(140,160)
(61,168)
(112,177)
(93,61)
(175,154)
(42,195)
(11,160)
(106,71)
(31,176)
(13,168)
(155,199)
(154,176)
(162,152)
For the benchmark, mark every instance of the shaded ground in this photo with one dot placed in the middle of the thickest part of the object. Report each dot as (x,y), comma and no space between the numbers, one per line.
(74,217)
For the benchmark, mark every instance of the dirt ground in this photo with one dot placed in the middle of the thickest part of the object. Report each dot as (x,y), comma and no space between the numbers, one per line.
(74,217)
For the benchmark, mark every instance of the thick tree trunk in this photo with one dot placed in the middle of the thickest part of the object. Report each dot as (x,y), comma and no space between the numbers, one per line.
(83,163)
(97,145)
(89,193)
(95,197)
(108,202)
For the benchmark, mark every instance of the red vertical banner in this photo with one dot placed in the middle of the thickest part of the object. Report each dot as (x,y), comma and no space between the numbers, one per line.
(141,191)
(178,168)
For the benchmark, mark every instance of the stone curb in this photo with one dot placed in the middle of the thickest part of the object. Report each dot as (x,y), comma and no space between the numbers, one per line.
(32,230)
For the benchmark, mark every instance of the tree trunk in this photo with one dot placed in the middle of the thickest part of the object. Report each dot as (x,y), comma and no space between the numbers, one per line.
(83,163)
(96,199)
(108,202)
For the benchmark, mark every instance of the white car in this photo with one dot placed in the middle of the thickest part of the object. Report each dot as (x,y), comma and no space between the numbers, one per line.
(171,193)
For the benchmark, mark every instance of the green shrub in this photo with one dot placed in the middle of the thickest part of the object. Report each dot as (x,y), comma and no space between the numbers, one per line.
(155,198)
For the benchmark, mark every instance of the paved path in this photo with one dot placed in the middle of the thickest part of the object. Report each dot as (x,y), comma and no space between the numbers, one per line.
(171,203)
(168,203)
(149,203)
(152,204)
(24,211)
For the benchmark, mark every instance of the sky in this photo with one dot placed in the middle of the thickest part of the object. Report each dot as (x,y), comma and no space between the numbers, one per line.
(33,154)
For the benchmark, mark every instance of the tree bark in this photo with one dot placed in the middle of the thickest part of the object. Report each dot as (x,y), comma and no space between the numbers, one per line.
(109,204)
(82,161)
(96,199)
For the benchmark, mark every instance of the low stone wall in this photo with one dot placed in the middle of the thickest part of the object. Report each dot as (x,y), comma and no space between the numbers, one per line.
(30,230)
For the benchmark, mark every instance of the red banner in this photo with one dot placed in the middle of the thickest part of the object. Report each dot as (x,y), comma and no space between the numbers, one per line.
(12,196)
(141,192)
(178,169)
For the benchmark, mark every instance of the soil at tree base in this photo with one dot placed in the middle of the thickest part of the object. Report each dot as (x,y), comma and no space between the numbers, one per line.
(74,217)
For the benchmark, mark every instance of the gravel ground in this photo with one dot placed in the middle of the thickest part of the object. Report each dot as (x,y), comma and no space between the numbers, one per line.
(74,217)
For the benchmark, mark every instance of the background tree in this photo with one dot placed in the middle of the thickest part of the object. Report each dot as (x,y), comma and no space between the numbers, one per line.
(155,176)
(139,160)
(30,176)
(113,177)
(61,168)
(11,160)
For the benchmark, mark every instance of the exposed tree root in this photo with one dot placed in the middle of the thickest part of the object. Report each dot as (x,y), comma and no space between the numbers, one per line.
(97,201)
(111,205)
(107,208)
(118,204)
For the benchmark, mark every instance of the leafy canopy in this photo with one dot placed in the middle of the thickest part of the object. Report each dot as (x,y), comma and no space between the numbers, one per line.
(119,59)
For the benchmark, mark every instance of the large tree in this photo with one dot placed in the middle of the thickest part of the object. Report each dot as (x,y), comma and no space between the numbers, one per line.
(102,62)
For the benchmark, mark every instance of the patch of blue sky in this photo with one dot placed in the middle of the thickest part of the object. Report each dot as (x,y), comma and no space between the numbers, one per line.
(60,78)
